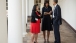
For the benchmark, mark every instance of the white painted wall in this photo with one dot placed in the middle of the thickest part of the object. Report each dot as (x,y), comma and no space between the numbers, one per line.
(69,11)
(3,22)
(31,4)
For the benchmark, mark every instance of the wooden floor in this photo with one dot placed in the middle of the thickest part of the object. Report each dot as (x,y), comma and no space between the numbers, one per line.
(67,35)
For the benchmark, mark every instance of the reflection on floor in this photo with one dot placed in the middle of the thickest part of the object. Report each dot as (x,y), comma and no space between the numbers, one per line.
(67,35)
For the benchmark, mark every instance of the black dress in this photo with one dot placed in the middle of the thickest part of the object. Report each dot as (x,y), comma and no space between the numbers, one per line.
(46,19)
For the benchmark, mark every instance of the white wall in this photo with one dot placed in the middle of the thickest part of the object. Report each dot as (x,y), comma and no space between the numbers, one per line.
(3,22)
(69,11)
(31,4)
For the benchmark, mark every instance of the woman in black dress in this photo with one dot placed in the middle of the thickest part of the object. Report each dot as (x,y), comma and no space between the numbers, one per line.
(46,21)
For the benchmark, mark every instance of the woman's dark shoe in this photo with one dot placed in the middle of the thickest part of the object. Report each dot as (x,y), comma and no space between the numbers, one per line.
(48,42)
(34,42)
(44,41)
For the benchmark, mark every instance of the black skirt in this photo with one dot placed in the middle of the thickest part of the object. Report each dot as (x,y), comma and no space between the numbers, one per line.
(47,23)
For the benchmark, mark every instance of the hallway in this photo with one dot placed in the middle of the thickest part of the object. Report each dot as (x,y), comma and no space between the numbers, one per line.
(16,12)
(67,35)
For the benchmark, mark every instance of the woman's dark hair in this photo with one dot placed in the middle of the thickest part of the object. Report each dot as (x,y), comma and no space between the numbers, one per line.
(34,7)
(46,3)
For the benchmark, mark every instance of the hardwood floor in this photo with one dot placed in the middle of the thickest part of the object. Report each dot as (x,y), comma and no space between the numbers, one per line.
(67,35)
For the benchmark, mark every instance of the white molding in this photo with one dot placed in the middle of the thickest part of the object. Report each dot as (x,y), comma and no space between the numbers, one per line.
(24,34)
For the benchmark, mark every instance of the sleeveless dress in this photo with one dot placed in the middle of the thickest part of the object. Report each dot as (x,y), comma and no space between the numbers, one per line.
(35,27)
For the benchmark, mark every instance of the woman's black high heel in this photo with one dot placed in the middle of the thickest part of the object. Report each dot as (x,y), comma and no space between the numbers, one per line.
(34,42)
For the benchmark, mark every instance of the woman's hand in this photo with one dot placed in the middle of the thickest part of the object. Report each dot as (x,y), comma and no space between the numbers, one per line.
(49,12)
(38,10)
(45,13)
(39,15)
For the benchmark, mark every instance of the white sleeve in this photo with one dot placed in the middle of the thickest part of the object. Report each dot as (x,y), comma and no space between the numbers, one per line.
(36,19)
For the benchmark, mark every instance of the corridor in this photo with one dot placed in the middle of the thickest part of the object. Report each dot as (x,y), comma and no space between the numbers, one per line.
(67,35)
(17,12)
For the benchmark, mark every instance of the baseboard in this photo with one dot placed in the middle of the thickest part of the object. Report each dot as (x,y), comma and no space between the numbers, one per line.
(24,34)
(70,26)
(29,16)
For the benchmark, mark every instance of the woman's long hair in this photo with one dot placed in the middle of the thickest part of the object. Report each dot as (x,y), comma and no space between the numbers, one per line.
(34,7)
(46,3)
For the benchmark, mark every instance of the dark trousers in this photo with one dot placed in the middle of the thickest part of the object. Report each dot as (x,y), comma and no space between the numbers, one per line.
(56,33)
